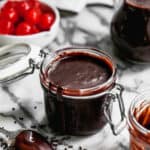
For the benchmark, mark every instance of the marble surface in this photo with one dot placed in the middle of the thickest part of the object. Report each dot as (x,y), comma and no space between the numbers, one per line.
(22,104)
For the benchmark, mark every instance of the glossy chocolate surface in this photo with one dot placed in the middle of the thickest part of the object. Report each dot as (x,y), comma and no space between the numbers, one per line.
(31,140)
(79,72)
(130,30)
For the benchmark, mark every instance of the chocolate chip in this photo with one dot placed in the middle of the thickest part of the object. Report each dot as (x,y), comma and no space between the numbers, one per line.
(21,118)
(33,126)
(80,148)
(42,126)
(70,146)
(13,109)
(35,107)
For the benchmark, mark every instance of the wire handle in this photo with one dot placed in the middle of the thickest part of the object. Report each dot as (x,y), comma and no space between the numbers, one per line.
(29,70)
(26,60)
(116,94)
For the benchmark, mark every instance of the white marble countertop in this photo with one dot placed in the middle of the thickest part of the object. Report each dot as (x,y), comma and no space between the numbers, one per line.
(22,104)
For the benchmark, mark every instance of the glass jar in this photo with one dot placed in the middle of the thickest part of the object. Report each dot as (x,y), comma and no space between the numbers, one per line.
(139,122)
(130,31)
(80,111)
(76,111)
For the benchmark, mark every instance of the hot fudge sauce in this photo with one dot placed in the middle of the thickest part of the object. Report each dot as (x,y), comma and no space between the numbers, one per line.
(76,85)
(130,30)
(79,72)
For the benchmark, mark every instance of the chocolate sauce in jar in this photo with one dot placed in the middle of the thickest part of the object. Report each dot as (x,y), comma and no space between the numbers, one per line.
(76,87)
(130,30)
(139,124)
(142,115)
(79,72)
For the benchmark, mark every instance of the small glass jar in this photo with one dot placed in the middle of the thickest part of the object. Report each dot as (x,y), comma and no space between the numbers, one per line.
(139,122)
(81,111)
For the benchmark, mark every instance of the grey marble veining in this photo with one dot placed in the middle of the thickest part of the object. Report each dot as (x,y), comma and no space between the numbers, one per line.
(22,104)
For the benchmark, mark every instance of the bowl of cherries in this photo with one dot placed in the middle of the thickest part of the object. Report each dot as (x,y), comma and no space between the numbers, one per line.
(28,21)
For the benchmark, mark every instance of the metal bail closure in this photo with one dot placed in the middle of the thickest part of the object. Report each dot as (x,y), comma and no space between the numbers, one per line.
(116,95)
(17,61)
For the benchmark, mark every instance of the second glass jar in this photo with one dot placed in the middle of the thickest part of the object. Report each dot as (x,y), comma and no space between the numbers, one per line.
(130,30)
(138,122)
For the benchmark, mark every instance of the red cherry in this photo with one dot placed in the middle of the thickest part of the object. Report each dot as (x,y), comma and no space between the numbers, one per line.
(6,27)
(35,30)
(23,6)
(24,28)
(45,8)
(9,4)
(33,16)
(31,140)
(9,14)
(28,17)
(46,21)
(35,3)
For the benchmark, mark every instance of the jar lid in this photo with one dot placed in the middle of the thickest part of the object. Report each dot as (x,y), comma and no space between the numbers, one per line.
(15,60)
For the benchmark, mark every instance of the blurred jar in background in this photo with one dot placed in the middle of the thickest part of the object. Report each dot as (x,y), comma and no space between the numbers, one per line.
(130,30)
(139,122)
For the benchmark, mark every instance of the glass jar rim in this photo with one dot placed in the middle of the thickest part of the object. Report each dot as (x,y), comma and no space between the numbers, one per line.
(132,122)
(99,54)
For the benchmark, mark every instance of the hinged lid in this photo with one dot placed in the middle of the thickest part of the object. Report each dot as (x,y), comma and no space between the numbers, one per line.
(17,61)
